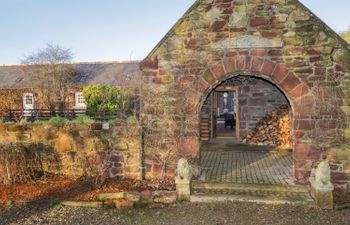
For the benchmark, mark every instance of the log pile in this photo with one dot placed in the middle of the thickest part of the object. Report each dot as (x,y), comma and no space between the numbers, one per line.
(273,129)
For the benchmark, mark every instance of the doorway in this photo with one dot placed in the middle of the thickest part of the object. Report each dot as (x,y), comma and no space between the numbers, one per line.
(224,113)
(28,104)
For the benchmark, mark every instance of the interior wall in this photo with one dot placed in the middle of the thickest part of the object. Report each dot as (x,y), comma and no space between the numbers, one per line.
(257,97)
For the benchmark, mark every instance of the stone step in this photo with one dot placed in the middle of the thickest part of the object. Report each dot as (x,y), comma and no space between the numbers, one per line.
(220,186)
(263,199)
(203,191)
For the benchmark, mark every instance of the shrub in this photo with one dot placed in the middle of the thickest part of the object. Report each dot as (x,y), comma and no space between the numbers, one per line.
(21,164)
(82,120)
(57,120)
(104,99)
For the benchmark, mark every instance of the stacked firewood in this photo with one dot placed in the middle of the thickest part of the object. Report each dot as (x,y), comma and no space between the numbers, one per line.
(273,129)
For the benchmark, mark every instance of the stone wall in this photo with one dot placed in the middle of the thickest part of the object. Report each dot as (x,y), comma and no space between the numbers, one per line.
(83,149)
(256,99)
(278,40)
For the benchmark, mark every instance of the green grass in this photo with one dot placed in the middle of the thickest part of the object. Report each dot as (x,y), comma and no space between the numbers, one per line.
(82,120)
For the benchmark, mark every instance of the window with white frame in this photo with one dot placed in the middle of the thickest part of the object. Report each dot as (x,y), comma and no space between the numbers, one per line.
(79,99)
(28,99)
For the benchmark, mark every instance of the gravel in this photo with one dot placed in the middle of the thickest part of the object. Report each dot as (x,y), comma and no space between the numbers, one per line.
(182,214)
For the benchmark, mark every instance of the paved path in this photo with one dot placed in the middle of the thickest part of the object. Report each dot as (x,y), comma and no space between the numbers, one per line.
(237,163)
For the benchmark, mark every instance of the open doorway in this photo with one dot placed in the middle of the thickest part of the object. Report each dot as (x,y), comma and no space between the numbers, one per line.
(247,121)
(224,116)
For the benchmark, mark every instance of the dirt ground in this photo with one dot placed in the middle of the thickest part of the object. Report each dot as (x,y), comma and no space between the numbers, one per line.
(177,214)
(82,189)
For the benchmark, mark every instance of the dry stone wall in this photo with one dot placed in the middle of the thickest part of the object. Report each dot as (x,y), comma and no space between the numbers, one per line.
(83,150)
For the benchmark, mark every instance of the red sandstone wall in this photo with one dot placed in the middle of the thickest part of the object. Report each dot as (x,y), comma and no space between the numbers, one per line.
(83,150)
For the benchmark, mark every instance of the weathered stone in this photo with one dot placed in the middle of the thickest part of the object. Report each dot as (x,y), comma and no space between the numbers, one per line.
(123,203)
(183,180)
(164,197)
(83,204)
(81,151)
(321,186)
(109,196)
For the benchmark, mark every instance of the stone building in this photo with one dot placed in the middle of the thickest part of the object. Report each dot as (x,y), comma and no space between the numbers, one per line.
(19,91)
(271,52)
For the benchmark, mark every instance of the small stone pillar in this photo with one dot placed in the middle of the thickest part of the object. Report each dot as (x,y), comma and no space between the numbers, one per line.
(183,180)
(321,186)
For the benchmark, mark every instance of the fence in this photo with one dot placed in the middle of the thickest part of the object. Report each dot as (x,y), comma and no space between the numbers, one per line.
(45,114)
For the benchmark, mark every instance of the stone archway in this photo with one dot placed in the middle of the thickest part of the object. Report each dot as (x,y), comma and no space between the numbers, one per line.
(293,88)
(224,157)
(287,82)
(218,39)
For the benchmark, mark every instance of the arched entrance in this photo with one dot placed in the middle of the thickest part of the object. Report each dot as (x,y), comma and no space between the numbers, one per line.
(246,133)
(215,40)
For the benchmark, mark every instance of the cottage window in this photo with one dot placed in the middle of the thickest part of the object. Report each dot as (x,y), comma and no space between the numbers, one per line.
(29,99)
(79,100)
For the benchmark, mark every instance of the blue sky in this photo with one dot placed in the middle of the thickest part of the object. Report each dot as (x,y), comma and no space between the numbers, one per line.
(108,30)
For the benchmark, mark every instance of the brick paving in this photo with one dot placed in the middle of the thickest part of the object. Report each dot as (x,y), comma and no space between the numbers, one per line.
(237,163)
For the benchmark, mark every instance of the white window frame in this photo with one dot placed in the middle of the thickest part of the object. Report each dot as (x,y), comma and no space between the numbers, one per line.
(78,103)
(27,108)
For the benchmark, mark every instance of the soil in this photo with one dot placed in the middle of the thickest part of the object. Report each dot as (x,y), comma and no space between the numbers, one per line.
(180,213)
(60,188)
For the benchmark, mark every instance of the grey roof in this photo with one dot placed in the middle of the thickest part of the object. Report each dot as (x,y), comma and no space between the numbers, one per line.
(125,74)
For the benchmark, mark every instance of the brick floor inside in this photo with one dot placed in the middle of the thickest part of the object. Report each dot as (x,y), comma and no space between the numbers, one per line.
(233,162)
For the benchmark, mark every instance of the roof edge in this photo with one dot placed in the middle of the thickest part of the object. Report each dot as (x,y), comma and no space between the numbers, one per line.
(324,24)
(171,31)
(84,63)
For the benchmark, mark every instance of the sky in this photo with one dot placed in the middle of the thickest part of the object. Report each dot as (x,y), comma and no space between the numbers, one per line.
(109,30)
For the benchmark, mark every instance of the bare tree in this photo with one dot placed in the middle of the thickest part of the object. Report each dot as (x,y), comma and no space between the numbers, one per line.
(52,74)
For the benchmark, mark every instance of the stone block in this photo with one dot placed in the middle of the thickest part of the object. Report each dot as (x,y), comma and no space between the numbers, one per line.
(230,64)
(257,64)
(323,199)
(183,191)
(306,152)
(321,186)
(299,91)
(123,203)
(183,180)
(259,21)
(209,77)
(241,63)
(280,73)
(164,197)
(290,82)
(268,67)
(111,196)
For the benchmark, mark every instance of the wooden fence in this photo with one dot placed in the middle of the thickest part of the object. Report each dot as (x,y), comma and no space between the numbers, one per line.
(45,114)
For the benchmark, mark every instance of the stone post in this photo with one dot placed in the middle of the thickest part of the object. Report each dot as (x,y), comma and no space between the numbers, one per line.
(183,180)
(321,186)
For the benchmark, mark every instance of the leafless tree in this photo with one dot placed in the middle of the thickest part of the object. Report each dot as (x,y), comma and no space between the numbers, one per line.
(52,74)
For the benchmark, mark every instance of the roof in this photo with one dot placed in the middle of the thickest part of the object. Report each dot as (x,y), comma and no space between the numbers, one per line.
(125,74)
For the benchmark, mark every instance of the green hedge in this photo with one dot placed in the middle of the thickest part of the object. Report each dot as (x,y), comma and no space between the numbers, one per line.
(104,99)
